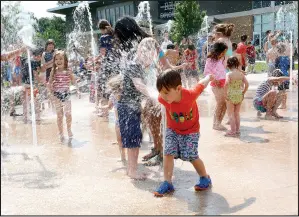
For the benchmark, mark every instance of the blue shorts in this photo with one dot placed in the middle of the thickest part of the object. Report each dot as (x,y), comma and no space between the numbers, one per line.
(17,70)
(129,118)
(258,104)
(181,146)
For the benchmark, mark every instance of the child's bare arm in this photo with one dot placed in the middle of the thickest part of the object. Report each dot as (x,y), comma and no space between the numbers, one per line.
(206,80)
(246,83)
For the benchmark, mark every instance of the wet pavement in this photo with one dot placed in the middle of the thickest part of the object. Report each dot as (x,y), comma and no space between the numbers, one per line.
(254,174)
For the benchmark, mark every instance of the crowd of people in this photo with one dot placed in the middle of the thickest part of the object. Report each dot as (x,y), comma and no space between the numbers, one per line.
(131,64)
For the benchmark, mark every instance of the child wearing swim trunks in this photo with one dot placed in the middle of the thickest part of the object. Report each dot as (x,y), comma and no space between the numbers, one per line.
(235,87)
(182,133)
(59,81)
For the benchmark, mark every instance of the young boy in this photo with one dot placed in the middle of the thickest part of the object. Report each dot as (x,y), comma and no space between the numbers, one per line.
(250,51)
(182,134)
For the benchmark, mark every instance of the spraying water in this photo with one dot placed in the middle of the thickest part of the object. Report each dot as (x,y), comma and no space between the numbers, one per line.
(27,33)
(143,17)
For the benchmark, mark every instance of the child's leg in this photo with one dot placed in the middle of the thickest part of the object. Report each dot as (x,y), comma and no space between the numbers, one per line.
(168,165)
(283,99)
(37,107)
(68,117)
(237,117)
(199,167)
(231,115)
(121,149)
(132,167)
(269,101)
(59,113)
(220,108)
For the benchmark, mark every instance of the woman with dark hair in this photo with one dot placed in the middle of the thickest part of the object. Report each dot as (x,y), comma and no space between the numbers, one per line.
(128,34)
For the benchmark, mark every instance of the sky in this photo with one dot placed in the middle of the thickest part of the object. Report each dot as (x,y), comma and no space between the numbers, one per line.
(39,8)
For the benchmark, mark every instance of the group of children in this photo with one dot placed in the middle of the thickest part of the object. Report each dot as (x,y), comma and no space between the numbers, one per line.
(133,85)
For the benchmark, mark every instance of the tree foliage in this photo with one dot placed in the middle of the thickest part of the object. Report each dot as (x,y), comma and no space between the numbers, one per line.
(51,28)
(187,19)
(60,3)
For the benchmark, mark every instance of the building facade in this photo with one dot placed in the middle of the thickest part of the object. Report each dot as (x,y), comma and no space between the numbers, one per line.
(252,18)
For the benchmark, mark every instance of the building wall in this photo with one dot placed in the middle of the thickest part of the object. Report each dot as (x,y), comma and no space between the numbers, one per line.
(243,26)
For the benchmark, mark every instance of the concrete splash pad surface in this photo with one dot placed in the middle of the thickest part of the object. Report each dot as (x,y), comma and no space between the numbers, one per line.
(254,174)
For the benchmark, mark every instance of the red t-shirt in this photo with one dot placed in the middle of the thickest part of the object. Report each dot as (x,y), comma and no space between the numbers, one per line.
(241,49)
(183,116)
(250,51)
(190,56)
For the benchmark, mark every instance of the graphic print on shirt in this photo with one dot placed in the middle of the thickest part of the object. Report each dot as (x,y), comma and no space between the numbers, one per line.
(181,117)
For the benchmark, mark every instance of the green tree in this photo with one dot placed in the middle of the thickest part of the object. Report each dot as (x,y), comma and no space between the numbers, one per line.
(187,19)
(60,3)
(51,28)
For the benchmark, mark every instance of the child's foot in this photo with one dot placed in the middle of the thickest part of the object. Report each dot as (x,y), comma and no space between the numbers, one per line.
(238,133)
(269,117)
(277,115)
(70,134)
(164,188)
(140,177)
(230,134)
(152,154)
(259,113)
(61,137)
(155,161)
(219,127)
(203,184)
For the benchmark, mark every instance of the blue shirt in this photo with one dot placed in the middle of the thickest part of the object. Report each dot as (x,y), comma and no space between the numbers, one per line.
(283,63)
(106,42)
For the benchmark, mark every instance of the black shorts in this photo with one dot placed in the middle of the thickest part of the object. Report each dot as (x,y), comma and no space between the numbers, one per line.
(62,96)
(129,118)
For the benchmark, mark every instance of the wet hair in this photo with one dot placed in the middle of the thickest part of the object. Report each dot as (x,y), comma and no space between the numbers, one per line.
(244,38)
(233,63)
(191,47)
(268,32)
(168,79)
(127,30)
(281,47)
(49,41)
(38,52)
(249,42)
(225,29)
(217,50)
(54,68)
(170,46)
(105,25)
(234,46)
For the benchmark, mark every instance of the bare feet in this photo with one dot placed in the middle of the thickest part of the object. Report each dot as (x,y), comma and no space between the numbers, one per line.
(282,107)
(219,127)
(269,117)
(230,134)
(140,177)
(277,115)
(259,113)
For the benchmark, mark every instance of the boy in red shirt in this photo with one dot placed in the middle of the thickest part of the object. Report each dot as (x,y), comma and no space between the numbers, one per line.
(182,134)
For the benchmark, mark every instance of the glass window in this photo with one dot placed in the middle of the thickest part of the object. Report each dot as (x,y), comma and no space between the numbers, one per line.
(132,10)
(256,4)
(257,27)
(267,18)
(279,26)
(112,16)
(283,2)
(121,11)
(266,4)
(266,27)
(103,14)
(116,13)
(127,10)
(107,15)
(257,19)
